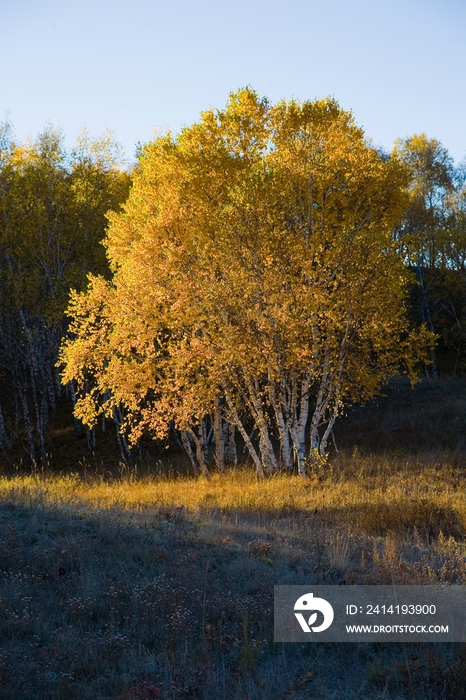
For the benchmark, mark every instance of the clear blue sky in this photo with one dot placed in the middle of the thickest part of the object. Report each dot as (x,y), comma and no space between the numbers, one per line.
(133,66)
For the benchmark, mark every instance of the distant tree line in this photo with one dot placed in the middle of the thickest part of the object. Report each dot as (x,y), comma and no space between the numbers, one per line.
(269,268)
(53,206)
(432,236)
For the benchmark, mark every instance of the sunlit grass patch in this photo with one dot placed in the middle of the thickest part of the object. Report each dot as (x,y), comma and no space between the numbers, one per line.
(406,492)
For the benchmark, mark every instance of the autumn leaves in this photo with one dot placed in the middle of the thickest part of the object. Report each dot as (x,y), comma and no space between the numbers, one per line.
(256,284)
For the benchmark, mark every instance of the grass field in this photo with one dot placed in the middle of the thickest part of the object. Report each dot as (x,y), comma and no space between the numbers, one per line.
(138,584)
(163,588)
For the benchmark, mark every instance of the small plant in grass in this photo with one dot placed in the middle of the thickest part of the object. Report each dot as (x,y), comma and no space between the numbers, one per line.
(339,552)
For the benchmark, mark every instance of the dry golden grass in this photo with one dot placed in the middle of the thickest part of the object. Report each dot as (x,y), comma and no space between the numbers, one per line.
(367,495)
(137,588)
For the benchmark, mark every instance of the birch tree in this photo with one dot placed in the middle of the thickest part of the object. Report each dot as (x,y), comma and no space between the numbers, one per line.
(255,278)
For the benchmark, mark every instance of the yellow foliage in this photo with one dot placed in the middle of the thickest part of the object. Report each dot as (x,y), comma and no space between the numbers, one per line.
(255,247)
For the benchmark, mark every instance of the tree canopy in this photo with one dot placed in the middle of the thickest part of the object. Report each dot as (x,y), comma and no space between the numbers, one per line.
(52,220)
(256,284)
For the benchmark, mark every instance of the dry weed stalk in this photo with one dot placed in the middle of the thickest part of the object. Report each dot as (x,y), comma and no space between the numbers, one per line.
(339,552)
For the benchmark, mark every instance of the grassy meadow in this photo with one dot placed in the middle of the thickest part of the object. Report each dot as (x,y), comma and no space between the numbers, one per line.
(149,583)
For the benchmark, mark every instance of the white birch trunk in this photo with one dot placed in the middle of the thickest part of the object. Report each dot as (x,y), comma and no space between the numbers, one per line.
(219,437)
(231,455)
(201,448)
(265,443)
(125,452)
(326,435)
(322,401)
(336,392)
(235,417)
(300,453)
(303,413)
(284,440)
(188,448)
(282,429)
(291,426)
(78,426)
(200,454)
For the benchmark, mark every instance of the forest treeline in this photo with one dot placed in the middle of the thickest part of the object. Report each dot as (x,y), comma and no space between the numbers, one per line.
(246,282)
(53,206)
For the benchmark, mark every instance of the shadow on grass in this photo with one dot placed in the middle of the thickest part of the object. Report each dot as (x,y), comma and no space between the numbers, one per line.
(172,604)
